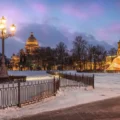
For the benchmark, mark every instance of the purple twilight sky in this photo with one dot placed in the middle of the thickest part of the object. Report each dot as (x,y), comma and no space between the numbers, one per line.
(53,21)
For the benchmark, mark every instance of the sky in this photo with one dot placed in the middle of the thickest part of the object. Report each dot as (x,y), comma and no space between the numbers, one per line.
(53,21)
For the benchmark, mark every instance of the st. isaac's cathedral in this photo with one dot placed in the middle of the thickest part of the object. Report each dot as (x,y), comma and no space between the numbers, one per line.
(30,46)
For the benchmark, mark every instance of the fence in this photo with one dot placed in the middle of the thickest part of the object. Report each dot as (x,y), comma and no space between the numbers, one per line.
(22,93)
(74,80)
(13,78)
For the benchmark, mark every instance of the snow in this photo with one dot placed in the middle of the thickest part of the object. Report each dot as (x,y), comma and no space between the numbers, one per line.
(31,78)
(107,85)
(32,75)
(28,73)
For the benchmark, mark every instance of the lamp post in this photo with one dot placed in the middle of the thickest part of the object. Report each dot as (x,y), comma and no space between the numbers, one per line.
(3,36)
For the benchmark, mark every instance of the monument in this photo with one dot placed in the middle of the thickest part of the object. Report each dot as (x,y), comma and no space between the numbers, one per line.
(115,64)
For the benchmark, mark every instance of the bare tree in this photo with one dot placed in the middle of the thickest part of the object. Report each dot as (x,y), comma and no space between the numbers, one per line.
(96,55)
(90,55)
(101,55)
(112,52)
(22,63)
(61,50)
(79,48)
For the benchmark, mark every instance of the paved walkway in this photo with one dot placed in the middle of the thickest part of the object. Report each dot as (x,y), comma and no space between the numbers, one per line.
(103,110)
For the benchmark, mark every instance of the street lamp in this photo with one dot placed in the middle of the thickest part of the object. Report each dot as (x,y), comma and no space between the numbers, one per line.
(3,36)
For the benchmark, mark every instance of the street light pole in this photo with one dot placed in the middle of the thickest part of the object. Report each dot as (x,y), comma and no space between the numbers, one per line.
(3,71)
(3,36)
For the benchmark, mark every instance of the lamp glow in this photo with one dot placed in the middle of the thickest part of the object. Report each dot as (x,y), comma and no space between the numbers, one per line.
(4,35)
(4,31)
(3,20)
(2,26)
(13,28)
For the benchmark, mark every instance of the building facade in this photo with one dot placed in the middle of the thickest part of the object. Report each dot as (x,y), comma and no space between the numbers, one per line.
(14,62)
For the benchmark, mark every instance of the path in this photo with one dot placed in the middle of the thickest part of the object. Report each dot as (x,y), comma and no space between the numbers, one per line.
(103,110)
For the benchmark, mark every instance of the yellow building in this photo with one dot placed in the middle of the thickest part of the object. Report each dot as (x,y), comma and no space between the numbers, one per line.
(15,59)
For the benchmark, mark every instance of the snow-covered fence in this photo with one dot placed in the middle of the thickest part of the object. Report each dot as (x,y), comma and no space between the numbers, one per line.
(74,80)
(77,80)
(8,94)
(22,93)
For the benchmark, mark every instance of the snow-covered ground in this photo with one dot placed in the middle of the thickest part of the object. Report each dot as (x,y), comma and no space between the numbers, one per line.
(107,85)
(32,78)
(32,75)
(28,73)
(104,80)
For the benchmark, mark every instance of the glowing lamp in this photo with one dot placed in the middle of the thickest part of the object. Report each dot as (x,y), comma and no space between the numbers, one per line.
(3,20)
(13,28)
(2,26)
(4,31)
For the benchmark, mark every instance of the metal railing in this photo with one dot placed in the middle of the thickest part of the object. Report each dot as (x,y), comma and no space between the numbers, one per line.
(22,93)
(74,80)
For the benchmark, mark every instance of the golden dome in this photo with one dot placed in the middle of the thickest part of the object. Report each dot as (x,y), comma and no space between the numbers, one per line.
(32,40)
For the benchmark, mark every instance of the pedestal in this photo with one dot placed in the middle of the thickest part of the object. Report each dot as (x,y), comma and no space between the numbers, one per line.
(3,69)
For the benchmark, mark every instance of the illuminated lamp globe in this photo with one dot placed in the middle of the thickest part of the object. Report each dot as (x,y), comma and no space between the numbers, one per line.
(13,28)
(2,26)
(3,20)
(4,31)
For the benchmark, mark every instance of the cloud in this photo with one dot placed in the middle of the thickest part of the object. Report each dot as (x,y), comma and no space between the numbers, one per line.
(12,46)
(67,31)
(110,32)
(73,11)
(39,7)
(83,11)
(51,20)
(95,10)
(114,28)
(19,40)
(12,13)
(47,35)
(118,4)
(102,34)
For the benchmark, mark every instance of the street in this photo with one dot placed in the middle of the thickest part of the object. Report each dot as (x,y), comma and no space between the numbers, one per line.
(103,110)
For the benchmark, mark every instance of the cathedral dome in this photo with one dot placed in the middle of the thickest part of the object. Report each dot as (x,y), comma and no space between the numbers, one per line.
(32,40)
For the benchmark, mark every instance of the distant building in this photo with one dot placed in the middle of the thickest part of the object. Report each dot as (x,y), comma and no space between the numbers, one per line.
(31,44)
(15,59)
(30,47)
